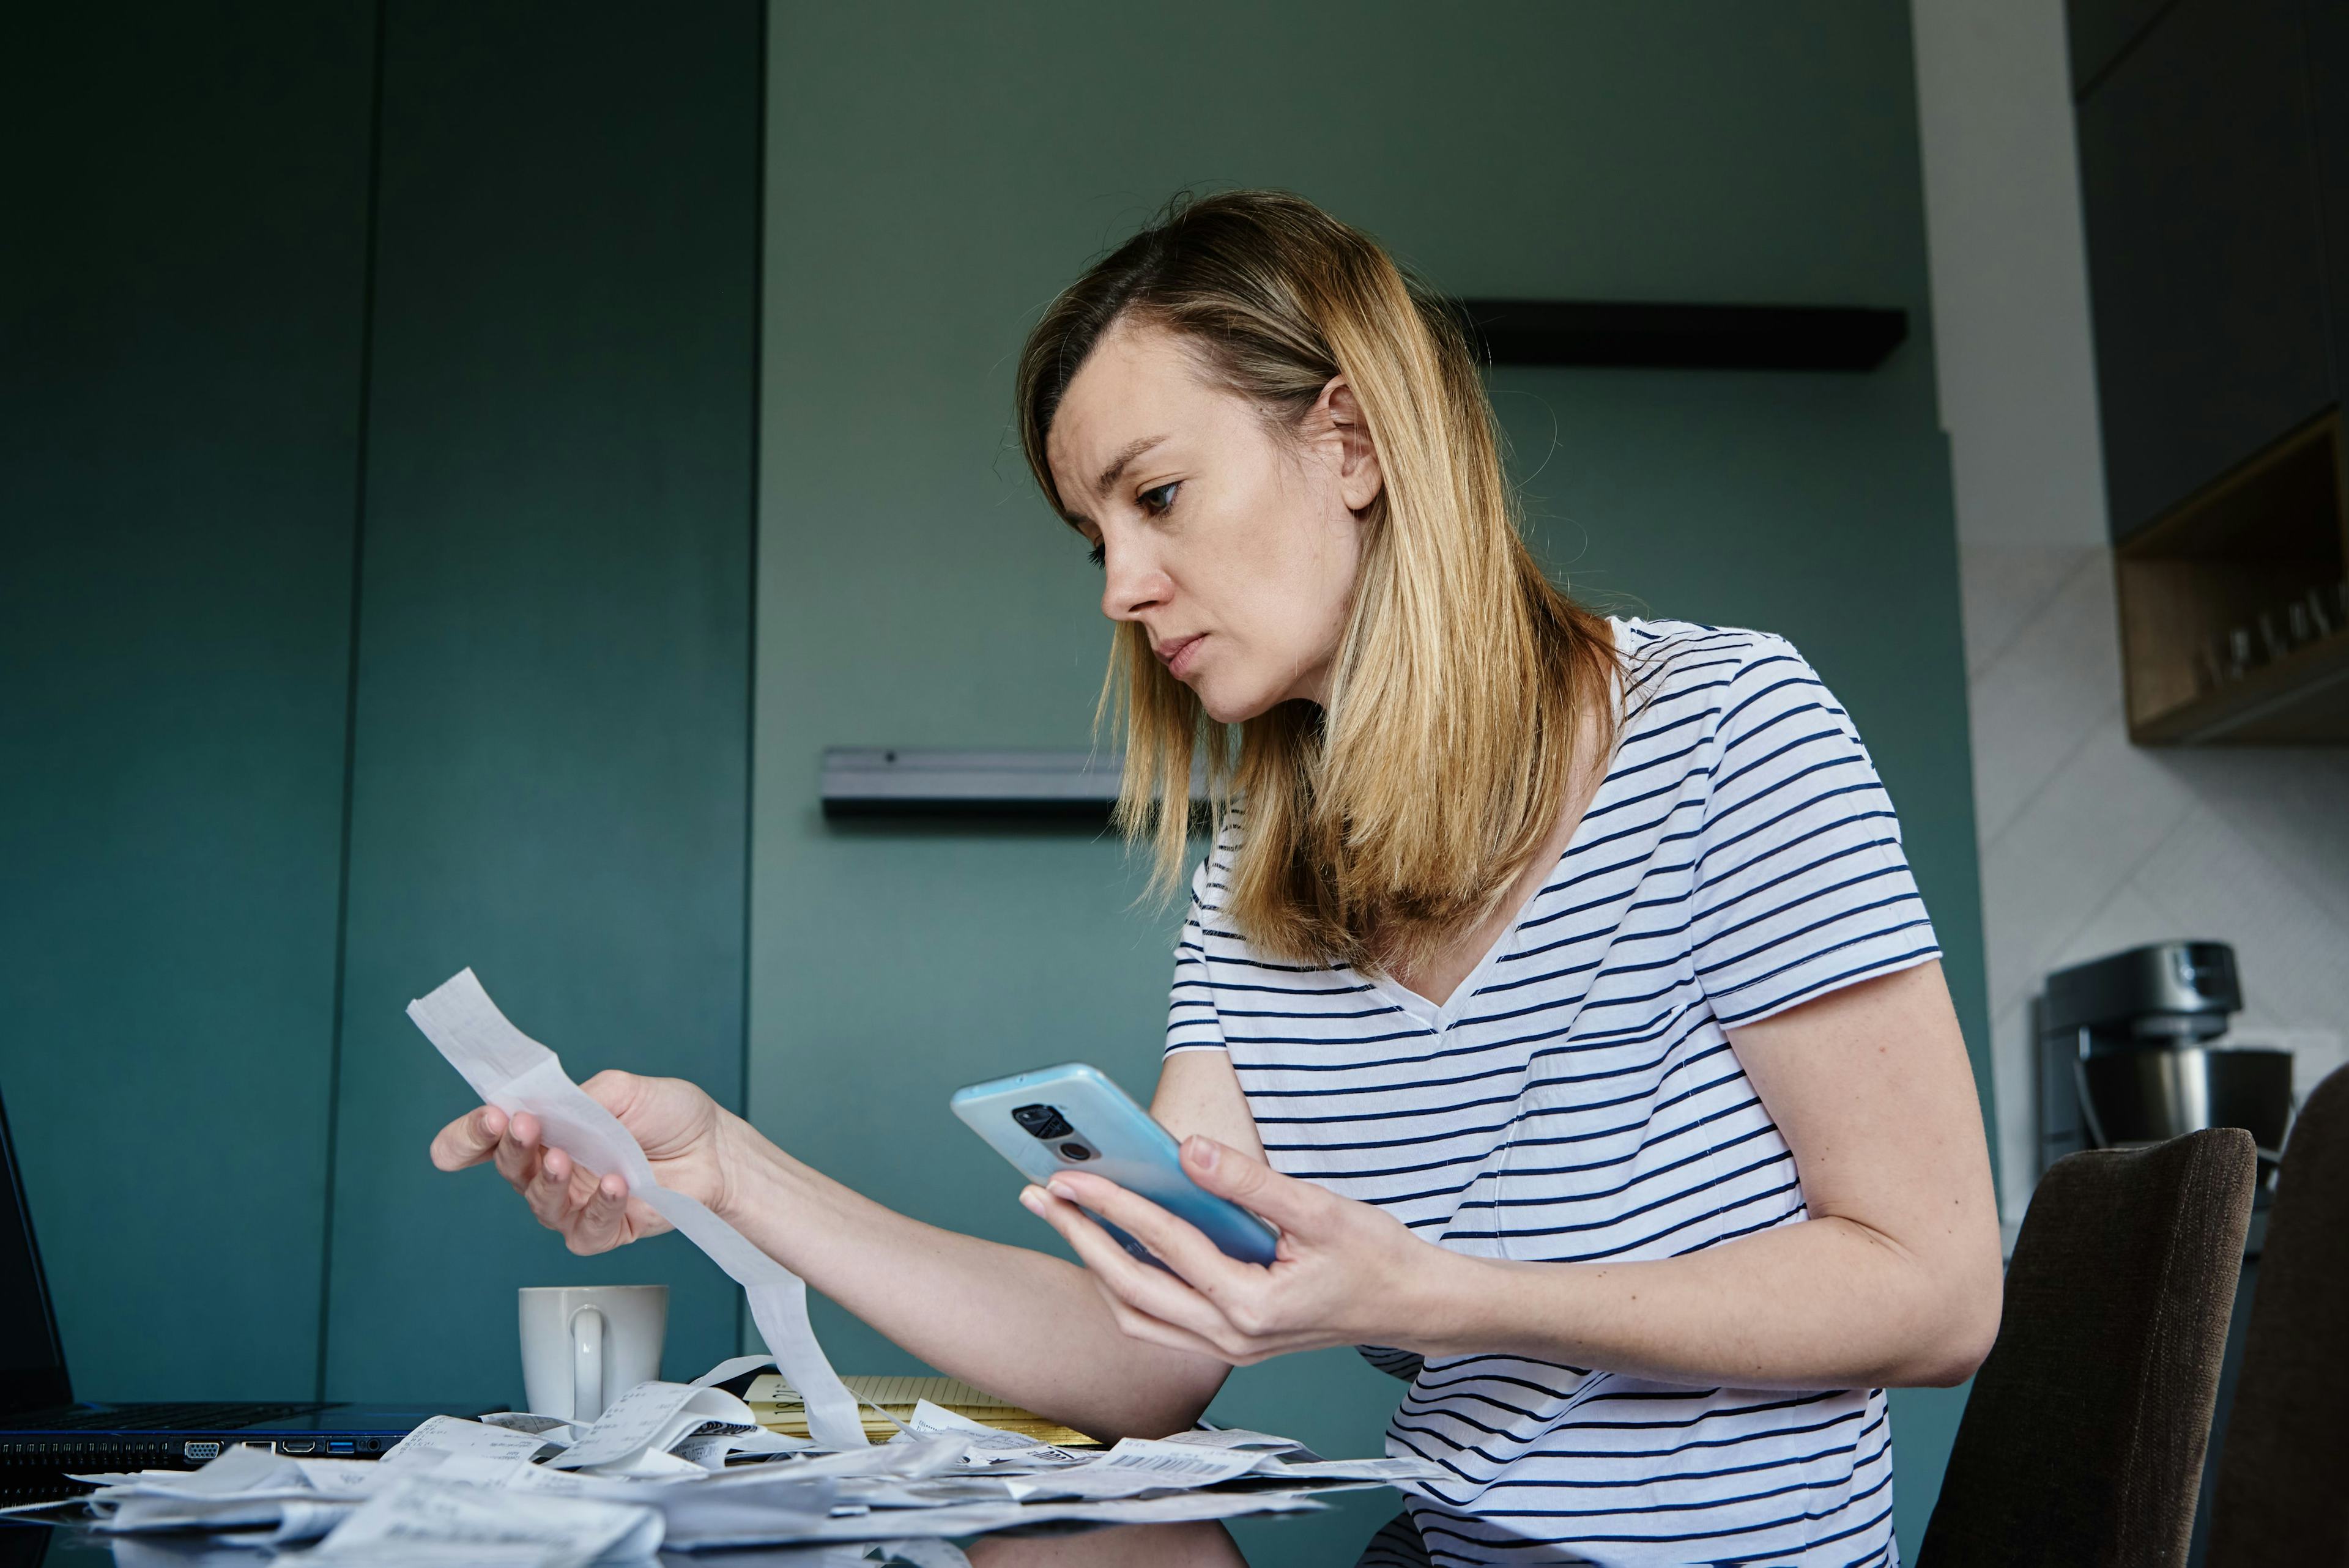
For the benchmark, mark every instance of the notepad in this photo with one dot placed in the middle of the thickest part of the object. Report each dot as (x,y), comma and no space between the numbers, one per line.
(779,1409)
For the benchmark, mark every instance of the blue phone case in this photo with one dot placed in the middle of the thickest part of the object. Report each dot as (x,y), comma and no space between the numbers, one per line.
(1071,1118)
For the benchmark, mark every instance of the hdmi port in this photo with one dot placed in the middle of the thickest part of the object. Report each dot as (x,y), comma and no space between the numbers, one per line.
(201,1450)
(296,1445)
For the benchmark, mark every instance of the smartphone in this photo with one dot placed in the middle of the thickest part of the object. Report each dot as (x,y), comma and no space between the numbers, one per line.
(1071,1118)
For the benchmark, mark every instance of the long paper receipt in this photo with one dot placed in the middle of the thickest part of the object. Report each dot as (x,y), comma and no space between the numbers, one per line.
(513,1072)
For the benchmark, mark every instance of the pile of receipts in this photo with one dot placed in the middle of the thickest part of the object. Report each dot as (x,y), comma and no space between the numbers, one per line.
(685,1466)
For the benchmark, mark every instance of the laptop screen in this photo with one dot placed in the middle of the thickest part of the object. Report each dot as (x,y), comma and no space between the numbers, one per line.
(32,1362)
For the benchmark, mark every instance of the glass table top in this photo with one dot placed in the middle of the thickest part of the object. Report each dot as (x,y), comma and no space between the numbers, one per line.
(1333,1537)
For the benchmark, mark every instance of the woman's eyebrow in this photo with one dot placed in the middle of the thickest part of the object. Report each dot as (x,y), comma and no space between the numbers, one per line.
(1131,450)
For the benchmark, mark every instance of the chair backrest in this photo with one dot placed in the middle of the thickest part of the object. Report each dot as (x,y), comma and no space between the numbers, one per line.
(2082,1441)
(2283,1480)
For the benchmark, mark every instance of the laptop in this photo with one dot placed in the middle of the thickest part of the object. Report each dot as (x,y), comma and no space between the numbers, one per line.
(44,1432)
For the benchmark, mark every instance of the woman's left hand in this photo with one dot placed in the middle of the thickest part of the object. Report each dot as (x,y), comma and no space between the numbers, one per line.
(1346,1272)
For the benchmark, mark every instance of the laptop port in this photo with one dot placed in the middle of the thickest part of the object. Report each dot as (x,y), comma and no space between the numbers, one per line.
(298,1445)
(199,1451)
(341,1446)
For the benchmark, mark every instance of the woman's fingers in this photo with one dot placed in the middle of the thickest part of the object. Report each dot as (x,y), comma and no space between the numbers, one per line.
(517,1153)
(597,1225)
(1176,1243)
(548,1191)
(593,1214)
(468,1140)
(587,1212)
(1254,1186)
(1151,1291)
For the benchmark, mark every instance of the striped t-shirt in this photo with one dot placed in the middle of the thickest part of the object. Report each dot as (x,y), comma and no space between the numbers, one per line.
(1576,1098)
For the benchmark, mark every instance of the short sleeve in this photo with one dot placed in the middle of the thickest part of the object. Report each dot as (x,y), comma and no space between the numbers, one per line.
(1192,1024)
(1800,885)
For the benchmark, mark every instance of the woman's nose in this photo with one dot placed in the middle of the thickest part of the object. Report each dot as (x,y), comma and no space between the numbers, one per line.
(1131,586)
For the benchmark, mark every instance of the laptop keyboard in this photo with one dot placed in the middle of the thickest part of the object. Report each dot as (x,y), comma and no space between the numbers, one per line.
(157,1417)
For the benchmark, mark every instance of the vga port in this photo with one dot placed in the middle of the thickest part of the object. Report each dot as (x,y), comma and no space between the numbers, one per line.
(195,1450)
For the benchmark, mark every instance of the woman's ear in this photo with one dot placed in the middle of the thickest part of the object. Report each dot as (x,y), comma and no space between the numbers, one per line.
(1360,478)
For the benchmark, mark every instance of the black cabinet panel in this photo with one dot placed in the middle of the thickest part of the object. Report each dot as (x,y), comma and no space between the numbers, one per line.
(2327,24)
(2100,30)
(2199,187)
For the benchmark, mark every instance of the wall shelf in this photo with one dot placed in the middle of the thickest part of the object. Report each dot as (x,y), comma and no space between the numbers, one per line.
(2211,651)
(918,781)
(1629,334)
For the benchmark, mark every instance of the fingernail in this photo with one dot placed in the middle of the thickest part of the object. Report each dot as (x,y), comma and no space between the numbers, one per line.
(1031,1200)
(1064,1194)
(1201,1151)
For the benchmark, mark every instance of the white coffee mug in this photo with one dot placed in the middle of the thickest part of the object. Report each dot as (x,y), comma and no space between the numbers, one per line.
(584,1346)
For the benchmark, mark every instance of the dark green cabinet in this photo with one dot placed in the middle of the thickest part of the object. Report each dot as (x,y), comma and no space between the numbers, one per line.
(378,418)
(182,268)
(552,740)
(2200,184)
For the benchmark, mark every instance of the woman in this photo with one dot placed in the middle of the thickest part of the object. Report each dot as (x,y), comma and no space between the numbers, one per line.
(1557,985)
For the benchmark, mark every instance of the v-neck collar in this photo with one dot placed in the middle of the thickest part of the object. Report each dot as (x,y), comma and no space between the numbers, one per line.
(1437,1019)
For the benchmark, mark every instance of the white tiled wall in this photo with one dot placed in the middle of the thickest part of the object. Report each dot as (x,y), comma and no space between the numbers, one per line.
(2090,845)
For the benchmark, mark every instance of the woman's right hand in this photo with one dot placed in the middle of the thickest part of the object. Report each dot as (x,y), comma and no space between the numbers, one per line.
(680,1127)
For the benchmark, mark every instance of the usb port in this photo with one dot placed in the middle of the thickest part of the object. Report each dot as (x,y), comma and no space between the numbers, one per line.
(199,1451)
(298,1445)
(342,1446)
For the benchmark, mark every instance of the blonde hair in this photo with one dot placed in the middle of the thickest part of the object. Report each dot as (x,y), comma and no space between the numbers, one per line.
(1376,830)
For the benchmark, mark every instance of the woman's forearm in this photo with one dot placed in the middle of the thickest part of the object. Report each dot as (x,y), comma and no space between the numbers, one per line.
(1020,1325)
(1824,1303)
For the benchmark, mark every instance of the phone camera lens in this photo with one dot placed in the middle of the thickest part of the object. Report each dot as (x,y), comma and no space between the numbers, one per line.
(1076,1151)
(1042,1121)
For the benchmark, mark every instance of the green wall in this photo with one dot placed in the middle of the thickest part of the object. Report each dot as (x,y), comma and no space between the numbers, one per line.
(935,172)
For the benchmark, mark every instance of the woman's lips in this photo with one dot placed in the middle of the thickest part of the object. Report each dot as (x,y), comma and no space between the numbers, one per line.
(1179,654)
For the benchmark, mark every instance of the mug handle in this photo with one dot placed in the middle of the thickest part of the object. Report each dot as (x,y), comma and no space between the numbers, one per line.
(587,1364)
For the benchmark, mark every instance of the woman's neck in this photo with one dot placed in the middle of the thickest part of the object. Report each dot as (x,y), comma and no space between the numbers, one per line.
(1437,974)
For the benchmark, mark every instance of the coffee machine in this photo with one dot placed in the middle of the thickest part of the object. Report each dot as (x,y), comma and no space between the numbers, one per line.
(2126,1054)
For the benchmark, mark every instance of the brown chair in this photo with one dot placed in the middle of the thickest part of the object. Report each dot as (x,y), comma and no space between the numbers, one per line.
(2082,1441)
(2284,1477)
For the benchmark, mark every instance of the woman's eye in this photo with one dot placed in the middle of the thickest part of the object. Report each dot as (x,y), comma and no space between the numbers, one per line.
(1098,555)
(1156,501)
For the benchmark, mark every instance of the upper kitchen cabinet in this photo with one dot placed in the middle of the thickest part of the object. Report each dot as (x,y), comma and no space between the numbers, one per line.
(2200,179)
(2214,171)
(2100,32)
(2327,23)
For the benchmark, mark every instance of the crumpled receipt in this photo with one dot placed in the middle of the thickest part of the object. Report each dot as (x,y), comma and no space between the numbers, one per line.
(513,1072)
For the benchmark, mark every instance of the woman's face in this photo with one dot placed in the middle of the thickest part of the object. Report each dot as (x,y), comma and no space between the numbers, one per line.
(1233,547)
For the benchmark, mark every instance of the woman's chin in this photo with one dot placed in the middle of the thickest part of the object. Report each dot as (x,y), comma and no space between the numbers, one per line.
(1226,708)
(1223,715)
(1227,702)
